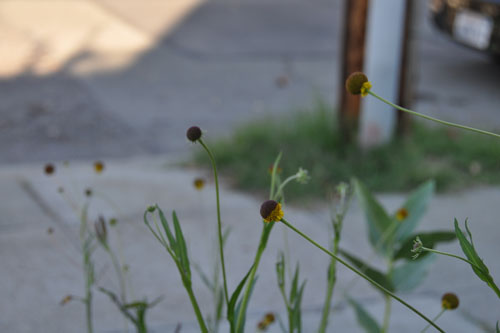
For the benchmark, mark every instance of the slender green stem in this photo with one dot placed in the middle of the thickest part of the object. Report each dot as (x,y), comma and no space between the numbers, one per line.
(453,256)
(447,123)
(219,223)
(88,310)
(387,314)
(196,308)
(119,272)
(352,268)
(262,245)
(435,319)
(332,279)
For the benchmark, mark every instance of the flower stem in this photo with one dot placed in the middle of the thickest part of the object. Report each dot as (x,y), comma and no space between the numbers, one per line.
(196,308)
(332,279)
(447,123)
(435,319)
(219,223)
(451,255)
(352,268)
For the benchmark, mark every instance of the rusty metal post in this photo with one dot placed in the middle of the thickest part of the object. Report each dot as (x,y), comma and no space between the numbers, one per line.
(352,60)
(403,124)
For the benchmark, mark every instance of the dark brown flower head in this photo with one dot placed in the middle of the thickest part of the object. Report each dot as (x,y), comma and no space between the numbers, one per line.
(49,169)
(88,192)
(450,301)
(50,230)
(354,82)
(98,167)
(193,133)
(271,211)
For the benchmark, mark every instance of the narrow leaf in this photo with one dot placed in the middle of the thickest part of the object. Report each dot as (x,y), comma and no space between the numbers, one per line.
(170,236)
(182,248)
(479,268)
(235,295)
(376,216)
(372,273)
(365,319)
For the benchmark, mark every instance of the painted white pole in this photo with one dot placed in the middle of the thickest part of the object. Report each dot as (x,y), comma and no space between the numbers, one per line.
(384,42)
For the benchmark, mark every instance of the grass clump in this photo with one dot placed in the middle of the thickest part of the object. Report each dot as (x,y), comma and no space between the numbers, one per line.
(309,139)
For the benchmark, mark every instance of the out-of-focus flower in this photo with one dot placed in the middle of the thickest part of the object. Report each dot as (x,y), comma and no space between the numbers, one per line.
(355,82)
(450,301)
(88,192)
(302,176)
(401,214)
(199,183)
(49,169)
(98,167)
(66,300)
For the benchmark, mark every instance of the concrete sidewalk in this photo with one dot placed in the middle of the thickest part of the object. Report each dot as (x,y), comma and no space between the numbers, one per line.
(39,269)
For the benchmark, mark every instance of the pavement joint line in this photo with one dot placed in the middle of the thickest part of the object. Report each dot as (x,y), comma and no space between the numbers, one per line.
(48,211)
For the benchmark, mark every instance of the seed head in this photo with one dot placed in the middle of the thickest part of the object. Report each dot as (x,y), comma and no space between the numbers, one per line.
(417,247)
(450,301)
(193,133)
(354,82)
(271,211)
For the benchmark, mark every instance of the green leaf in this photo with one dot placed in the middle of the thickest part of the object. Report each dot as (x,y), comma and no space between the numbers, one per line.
(235,295)
(376,216)
(241,329)
(182,248)
(364,318)
(470,252)
(372,273)
(416,206)
(170,236)
(429,239)
(297,308)
(498,328)
(410,274)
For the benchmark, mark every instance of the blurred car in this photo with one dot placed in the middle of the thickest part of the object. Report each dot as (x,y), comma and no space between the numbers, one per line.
(474,23)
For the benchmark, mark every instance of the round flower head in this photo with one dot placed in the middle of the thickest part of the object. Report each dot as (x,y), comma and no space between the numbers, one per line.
(401,214)
(269,317)
(193,133)
(271,211)
(98,167)
(49,169)
(450,301)
(355,82)
(199,183)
